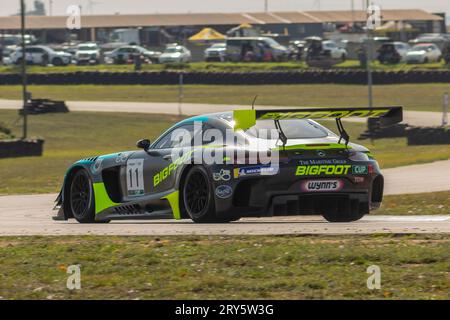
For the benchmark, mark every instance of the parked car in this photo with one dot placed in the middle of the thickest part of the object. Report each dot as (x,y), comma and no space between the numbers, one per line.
(255,49)
(296,49)
(175,54)
(42,55)
(217,52)
(438,39)
(335,52)
(393,52)
(387,53)
(87,53)
(424,53)
(125,54)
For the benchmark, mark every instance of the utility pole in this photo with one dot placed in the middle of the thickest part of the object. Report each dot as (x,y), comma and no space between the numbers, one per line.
(353,13)
(266,6)
(50,7)
(24,70)
(369,59)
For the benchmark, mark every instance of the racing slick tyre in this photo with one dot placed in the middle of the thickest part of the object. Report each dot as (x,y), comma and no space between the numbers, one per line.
(81,198)
(198,196)
(344,212)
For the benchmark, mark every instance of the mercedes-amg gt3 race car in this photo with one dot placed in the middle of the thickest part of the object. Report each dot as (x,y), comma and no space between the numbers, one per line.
(276,163)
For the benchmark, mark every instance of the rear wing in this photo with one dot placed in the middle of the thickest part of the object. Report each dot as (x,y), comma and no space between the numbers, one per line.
(245,119)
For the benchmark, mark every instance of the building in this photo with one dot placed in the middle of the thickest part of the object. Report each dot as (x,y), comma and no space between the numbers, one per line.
(157,29)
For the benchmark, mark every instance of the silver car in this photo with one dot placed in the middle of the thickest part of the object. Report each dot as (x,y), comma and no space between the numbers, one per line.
(217,52)
(175,54)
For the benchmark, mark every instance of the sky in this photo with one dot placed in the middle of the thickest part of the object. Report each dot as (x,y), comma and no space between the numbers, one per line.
(8,7)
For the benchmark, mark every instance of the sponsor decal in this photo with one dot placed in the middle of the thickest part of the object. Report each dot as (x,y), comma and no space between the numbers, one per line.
(359,179)
(122,157)
(223,175)
(254,171)
(135,177)
(224,191)
(321,185)
(321,161)
(360,169)
(167,171)
(321,153)
(323,114)
(97,166)
(322,170)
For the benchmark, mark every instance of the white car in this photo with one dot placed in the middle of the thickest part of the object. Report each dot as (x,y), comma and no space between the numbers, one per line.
(335,51)
(175,54)
(126,53)
(217,52)
(424,53)
(87,53)
(41,55)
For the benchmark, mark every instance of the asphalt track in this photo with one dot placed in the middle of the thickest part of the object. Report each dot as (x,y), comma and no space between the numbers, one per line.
(414,118)
(31,215)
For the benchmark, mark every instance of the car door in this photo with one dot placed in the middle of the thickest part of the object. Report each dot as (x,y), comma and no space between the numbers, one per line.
(38,55)
(154,171)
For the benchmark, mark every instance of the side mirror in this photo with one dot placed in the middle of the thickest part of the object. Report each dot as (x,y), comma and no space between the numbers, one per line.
(143,144)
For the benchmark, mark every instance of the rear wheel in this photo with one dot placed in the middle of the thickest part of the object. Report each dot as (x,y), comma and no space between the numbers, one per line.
(198,197)
(82,198)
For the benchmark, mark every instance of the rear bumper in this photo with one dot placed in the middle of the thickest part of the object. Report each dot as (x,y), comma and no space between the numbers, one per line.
(284,194)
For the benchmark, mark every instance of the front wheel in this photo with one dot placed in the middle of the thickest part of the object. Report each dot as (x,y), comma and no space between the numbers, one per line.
(57,62)
(81,199)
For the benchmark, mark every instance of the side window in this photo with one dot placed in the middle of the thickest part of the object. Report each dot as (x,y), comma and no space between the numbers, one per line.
(179,137)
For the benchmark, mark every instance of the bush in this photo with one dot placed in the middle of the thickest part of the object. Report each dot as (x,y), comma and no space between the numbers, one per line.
(5,133)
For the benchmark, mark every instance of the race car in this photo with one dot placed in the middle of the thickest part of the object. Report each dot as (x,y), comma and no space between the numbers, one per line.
(276,163)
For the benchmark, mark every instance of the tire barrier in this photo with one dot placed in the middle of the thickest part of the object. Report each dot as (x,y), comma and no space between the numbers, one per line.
(336,76)
(376,131)
(21,148)
(41,106)
(418,136)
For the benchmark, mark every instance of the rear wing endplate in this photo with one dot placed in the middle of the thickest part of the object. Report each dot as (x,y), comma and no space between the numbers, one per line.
(245,119)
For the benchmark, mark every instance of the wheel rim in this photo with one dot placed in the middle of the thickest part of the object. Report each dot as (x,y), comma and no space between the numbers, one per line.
(80,195)
(196,194)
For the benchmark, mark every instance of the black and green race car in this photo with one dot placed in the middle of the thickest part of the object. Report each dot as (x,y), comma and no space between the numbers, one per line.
(277,163)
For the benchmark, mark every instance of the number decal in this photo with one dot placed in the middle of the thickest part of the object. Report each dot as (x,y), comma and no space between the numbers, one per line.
(135,177)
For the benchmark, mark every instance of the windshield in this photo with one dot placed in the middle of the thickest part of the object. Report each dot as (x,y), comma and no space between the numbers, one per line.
(87,48)
(272,42)
(172,50)
(420,47)
(293,129)
(218,45)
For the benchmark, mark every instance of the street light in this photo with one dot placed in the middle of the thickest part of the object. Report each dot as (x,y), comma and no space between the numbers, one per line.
(24,70)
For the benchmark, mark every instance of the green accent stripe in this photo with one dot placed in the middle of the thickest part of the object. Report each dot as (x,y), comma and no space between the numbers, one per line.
(326,146)
(174,201)
(102,200)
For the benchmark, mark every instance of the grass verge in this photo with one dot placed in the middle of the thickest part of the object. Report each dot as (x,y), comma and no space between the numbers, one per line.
(76,135)
(222,267)
(223,67)
(435,203)
(422,97)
